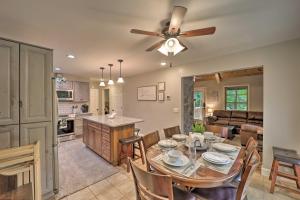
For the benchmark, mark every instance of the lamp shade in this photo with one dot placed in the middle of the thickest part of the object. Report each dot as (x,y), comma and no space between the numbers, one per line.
(120,80)
(102,84)
(110,82)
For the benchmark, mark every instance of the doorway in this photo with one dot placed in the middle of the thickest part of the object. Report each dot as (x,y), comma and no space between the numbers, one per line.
(199,104)
(106,101)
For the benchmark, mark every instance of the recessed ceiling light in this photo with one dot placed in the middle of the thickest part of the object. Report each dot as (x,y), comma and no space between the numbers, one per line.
(57,68)
(71,56)
(163,63)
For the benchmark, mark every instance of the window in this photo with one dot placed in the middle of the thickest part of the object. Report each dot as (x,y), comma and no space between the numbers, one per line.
(236,98)
(198,104)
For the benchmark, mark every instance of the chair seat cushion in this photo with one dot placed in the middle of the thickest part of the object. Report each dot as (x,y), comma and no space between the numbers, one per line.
(130,140)
(218,193)
(182,195)
(286,155)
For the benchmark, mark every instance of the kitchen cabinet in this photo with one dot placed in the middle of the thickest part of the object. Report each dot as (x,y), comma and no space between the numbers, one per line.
(35,84)
(26,103)
(9,82)
(67,85)
(9,136)
(32,132)
(81,91)
(104,140)
(78,123)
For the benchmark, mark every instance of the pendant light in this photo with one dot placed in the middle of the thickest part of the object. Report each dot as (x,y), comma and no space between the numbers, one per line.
(110,82)
(120,79)
(102,84)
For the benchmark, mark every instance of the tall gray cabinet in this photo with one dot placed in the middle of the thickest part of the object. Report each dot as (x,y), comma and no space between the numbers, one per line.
(26,111)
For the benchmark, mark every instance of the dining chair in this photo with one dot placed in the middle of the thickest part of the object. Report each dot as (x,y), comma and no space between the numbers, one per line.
(24,163)
(250,147)
(149,140)
(229,192)
(155,186)
(169,132)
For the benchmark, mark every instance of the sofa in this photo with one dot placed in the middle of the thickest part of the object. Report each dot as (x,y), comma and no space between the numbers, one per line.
(235,118)
(250,130)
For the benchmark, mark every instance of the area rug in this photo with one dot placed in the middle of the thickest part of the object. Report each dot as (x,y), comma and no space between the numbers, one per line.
(80,167)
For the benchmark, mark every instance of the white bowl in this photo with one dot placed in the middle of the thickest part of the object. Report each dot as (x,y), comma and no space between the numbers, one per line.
(174,155)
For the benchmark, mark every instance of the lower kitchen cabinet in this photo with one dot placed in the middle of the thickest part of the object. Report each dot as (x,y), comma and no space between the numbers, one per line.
(9,136)
(41,131)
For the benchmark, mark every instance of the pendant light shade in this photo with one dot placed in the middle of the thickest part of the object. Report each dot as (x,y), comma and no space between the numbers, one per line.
(110,82)
(120,79)
(102,84)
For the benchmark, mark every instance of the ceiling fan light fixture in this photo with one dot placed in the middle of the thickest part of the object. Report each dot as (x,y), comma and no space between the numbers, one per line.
(172,45)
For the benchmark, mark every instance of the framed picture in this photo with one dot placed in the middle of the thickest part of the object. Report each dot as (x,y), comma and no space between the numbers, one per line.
(161,96)
(147,93)
(161,86)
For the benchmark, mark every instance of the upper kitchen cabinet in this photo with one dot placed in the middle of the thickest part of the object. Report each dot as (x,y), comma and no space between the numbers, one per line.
(35,84)
(9,82)
(81,91)
(67,85)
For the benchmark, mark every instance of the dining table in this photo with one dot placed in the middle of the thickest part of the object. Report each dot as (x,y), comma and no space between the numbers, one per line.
(203,174)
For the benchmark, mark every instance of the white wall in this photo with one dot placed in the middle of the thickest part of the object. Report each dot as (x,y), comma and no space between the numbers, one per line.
(281,92)
(255,87)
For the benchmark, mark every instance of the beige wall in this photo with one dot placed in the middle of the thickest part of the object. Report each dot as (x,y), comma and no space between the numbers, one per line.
(281,92)
(254,83)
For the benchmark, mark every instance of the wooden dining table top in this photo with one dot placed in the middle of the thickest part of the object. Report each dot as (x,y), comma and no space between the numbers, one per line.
(203,177)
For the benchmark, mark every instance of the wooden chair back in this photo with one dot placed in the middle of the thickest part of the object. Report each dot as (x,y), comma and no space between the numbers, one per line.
(247,175)
(149,140)
(150,185)
(250,147)
(23,162)
(169,132)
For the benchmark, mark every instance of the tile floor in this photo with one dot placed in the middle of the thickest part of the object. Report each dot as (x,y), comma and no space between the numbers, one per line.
(121,187)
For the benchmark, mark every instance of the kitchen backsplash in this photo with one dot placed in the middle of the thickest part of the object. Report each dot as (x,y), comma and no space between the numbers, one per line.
(66,107)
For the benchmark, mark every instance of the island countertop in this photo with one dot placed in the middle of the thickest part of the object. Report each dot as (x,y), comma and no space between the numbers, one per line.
(116,122)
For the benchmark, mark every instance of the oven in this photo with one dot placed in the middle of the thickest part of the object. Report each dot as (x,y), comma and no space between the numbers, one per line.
(65,126)
(65,95)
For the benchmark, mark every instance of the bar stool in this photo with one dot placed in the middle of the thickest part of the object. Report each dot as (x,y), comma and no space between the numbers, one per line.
(285,158)
(128,143)
(136,145)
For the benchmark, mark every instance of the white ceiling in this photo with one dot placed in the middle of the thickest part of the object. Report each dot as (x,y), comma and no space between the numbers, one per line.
(97,31)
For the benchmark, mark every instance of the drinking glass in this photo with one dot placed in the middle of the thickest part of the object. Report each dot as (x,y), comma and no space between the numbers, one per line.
(192,153)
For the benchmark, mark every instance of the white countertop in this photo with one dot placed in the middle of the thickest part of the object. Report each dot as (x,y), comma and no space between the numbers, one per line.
(117,121)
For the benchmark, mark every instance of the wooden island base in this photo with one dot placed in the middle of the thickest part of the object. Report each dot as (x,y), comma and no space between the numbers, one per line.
(104,139)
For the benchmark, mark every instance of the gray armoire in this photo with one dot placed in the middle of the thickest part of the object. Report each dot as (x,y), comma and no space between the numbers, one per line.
(26,103)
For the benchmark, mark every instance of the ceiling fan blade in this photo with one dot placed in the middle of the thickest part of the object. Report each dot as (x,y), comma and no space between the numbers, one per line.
(178,14)
(199,32)
(156,45)
(137,31)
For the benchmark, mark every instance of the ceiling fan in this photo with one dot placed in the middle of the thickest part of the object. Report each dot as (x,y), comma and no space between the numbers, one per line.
(170,44)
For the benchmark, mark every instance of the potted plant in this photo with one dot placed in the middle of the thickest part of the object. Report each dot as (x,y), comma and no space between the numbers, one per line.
(198,128)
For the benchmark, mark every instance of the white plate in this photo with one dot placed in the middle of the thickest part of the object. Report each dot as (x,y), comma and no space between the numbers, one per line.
(179,137)
(180,162)
(167,143)
(224,147)
(216,158)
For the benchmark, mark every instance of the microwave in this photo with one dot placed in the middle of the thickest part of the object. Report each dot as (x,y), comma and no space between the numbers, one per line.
(64,95)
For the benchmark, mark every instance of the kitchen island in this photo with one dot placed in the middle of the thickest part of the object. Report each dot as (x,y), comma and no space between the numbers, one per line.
(102,134)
